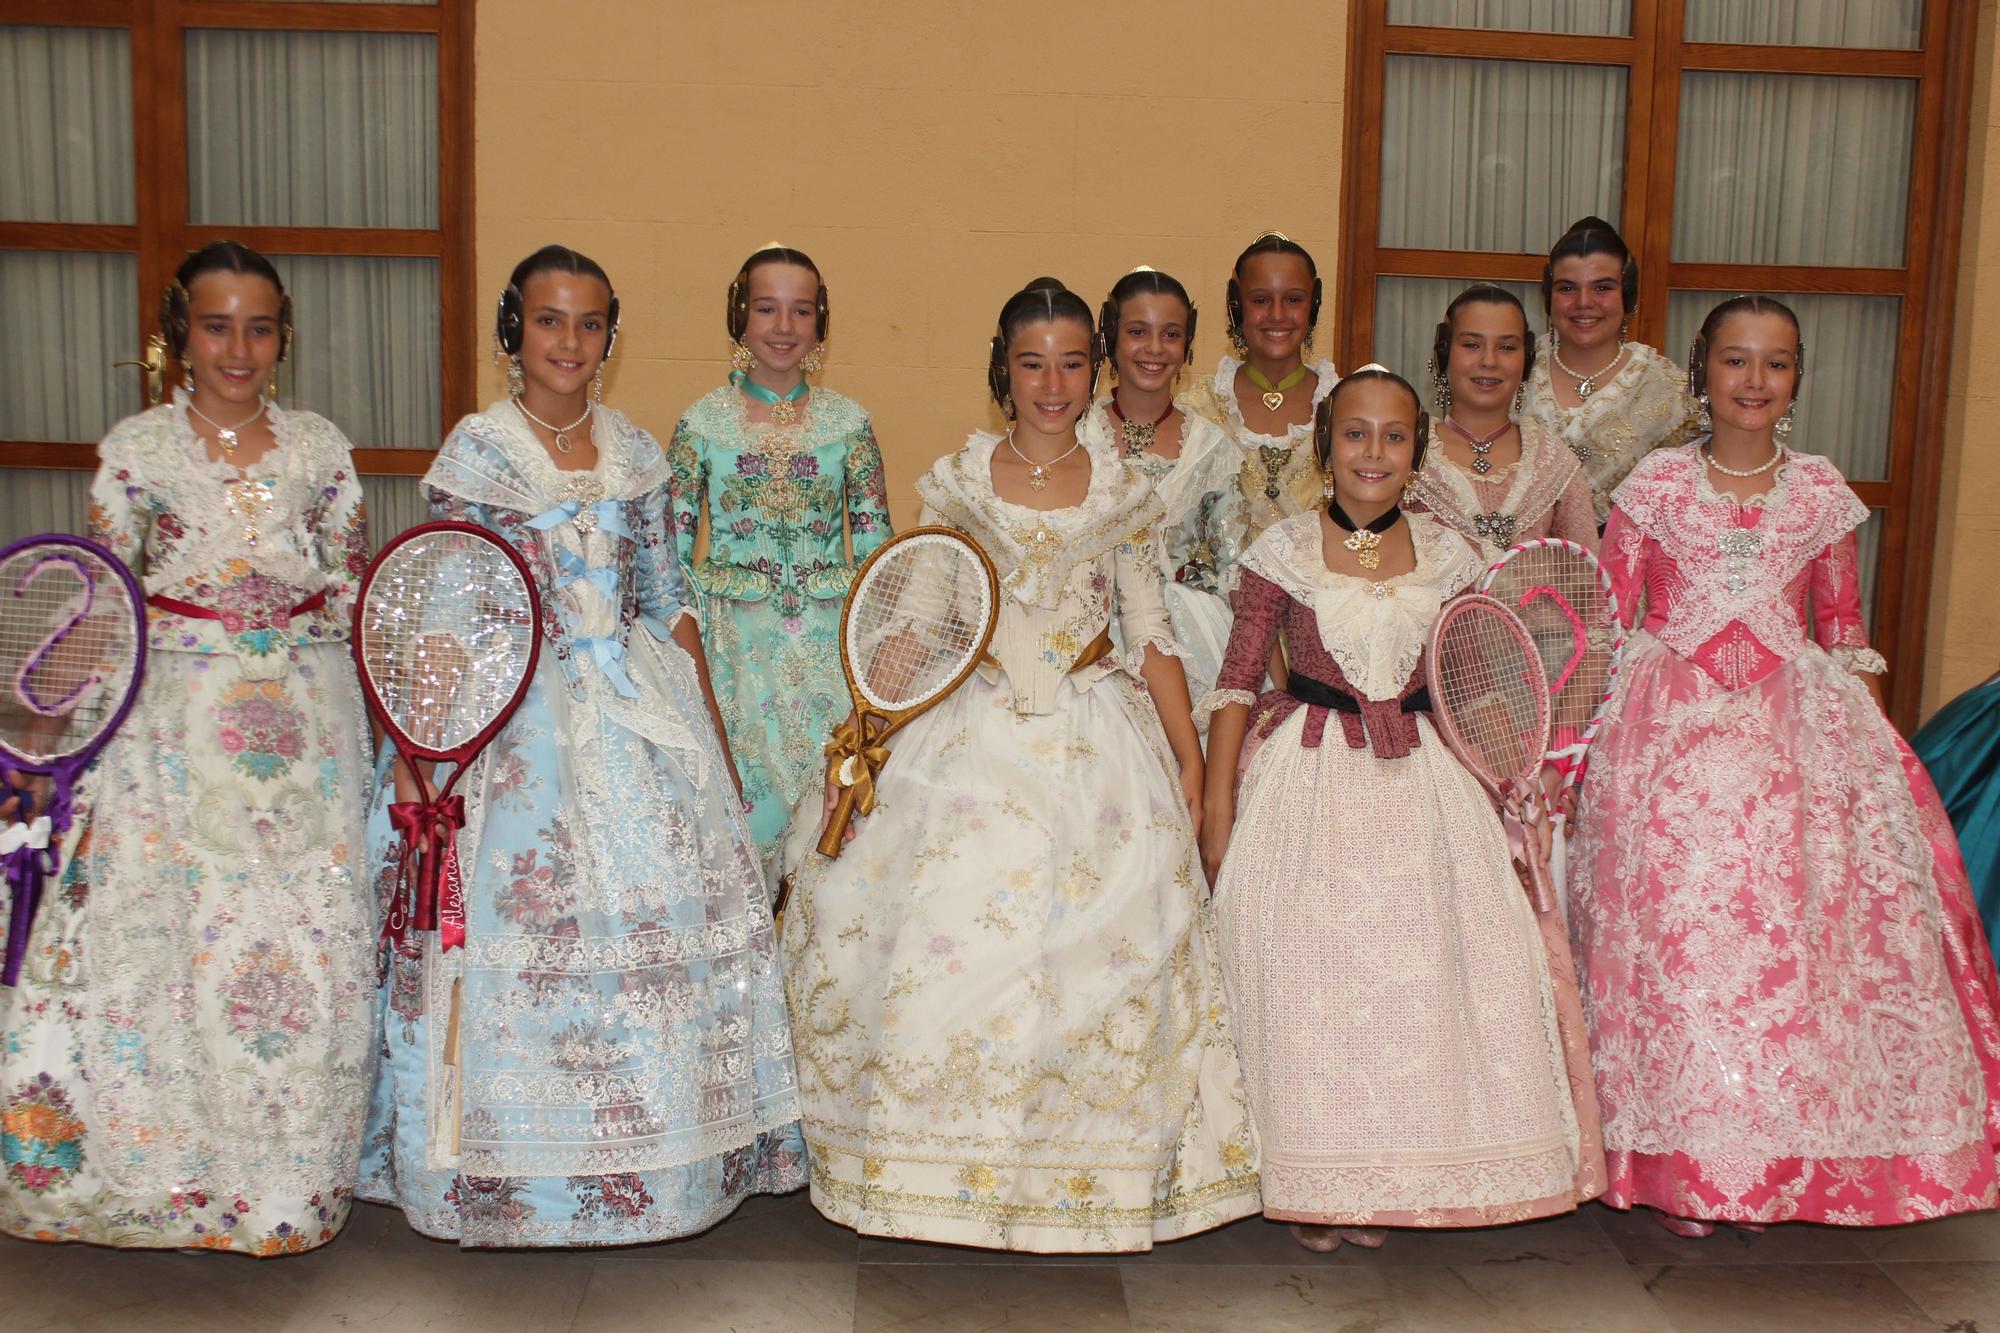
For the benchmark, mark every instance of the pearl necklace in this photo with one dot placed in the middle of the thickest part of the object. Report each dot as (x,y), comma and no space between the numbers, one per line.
(226,435)
(1777,457)
(1586,385)
(561,433)
(1038,475)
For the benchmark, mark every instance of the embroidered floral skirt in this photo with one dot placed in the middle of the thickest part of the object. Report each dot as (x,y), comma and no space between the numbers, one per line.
(1009,1024)
(1790,997)
(623,1070)
(186,1059)
(780,688)
(1399,1007)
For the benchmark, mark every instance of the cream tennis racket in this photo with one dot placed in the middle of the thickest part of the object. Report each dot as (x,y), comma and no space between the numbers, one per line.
(919,618)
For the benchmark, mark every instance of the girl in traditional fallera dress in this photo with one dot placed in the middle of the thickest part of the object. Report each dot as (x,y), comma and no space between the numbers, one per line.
(1790,998)
(1490,473)
(186,1060)
(624,1063)
(790,480)
(1612,401)
(1264,394)
(1147,325)
(1410,1031)
(1009,1024)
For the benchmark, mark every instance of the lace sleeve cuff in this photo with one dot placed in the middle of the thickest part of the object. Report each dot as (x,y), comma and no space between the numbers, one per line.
(1135,656)
(1216,700)
(1860,661)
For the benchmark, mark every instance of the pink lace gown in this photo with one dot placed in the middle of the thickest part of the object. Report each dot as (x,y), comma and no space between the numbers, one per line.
(1790,999)
(1412,1041)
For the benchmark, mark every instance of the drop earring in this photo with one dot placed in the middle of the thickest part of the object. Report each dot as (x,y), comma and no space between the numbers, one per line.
(597,384)
(1701,417)
(1440,389)
(1784,425)
(1237,345)
(1309,344)
(187,376)
(517,377)
(1520,398)
(815,360)
(740,357)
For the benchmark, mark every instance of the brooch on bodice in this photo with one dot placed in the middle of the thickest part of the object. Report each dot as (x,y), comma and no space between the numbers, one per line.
(1583,452)
(586,491)
(1274,458)
(1739,546)
(1496,528)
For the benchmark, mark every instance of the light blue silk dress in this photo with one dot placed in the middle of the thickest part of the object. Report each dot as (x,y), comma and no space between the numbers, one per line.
(624,1070)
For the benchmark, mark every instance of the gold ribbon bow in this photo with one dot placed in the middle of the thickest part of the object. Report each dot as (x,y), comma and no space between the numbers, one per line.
(855,763)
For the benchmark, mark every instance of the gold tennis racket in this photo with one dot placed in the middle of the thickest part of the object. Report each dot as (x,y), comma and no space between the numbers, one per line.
(919,618)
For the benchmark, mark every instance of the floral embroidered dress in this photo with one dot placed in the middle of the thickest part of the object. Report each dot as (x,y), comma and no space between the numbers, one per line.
(1276,477)
(1411,1035)
(1010,1028)
(186,1060)
(625,1069)
(1197,493)
(1641,408)
(775,577)
(1790,998)
(1543,493)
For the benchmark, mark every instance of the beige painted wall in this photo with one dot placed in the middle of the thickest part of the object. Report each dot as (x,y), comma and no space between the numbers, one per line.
(931,156)
(1963,646)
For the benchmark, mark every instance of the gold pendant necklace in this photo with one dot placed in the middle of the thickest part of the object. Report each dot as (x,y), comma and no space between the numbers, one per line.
(1274,394)
(1038,473)
(1367,548)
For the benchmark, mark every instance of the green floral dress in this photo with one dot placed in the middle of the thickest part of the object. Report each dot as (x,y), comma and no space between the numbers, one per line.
(791,511)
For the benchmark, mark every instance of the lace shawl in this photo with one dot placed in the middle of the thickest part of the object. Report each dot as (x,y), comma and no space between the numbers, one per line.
(1731,574)
(1376,638)
(1538,480)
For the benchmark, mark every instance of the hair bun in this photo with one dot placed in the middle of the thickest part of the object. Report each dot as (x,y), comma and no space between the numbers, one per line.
(1590,223)
(1046,285)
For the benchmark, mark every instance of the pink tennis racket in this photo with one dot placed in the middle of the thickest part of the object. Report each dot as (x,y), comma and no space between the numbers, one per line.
(1563,597)
(1491,701)
(446,631)
(72,654)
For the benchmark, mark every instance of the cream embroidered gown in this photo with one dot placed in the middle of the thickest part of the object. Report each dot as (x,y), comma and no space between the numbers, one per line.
(1008,1022)
(1200,529)
(1276,476)
(1411,1034)
(1644,406)
(186,1060)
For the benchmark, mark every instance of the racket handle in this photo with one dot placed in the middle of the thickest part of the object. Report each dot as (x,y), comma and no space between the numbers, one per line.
(831,841)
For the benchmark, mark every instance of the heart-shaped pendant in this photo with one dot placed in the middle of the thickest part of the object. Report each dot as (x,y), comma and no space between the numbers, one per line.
(1273,401)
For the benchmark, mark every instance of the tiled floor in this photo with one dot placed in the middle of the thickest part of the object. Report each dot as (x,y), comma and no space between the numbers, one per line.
(776,1265)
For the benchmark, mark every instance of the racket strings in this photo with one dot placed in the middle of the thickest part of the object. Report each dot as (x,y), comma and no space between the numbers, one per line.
(916,622)
(69,640)
(1561,600)
(1487,683)
(446,631)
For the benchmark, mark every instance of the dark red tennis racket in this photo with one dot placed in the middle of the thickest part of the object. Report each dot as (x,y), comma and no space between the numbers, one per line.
(446,631)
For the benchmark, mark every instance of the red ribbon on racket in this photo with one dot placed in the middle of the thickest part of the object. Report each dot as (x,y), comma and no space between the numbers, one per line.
(435,893)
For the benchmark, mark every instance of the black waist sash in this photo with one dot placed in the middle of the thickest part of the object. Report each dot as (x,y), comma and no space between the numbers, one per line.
(1319,694)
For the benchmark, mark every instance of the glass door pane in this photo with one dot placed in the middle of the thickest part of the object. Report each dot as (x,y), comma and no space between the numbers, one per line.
(1583,18)
(66,99)
(78,312)
(1793,169)
(1499,155)
(1872,24)
(312,129)
(365,346)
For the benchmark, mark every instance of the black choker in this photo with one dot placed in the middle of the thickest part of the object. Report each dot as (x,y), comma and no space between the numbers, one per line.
(1365,542)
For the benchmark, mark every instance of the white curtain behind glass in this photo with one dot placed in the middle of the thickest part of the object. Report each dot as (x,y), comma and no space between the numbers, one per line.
(1793,169)
(365,350)
(1407,311)
(1496,154)
(1599,18)
(66,99)
(1851,341)
(1882,24)
(312,129)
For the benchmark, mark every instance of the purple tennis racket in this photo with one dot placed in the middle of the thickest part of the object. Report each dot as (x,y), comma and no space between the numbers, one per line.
(72,653)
